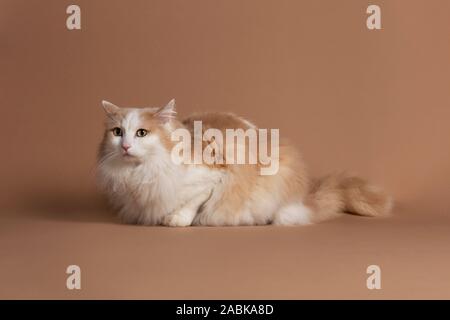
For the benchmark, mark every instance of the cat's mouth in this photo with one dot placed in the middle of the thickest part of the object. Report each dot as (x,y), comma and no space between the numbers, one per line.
(129,158)
(127,155)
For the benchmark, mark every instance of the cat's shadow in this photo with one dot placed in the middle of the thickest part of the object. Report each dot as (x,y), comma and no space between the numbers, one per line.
(69,207)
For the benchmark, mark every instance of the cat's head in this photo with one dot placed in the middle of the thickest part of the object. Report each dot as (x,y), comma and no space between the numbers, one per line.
(133,135)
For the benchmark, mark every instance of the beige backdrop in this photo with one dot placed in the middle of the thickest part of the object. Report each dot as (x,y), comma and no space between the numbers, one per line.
(374,102)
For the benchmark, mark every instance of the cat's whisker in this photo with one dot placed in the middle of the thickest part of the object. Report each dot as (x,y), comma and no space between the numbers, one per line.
(103,160)
(106,158)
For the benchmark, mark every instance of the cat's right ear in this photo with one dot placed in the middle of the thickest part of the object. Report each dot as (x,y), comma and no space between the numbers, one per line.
(111,109)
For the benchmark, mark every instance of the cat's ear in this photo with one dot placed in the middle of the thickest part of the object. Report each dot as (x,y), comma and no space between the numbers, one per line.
(111,109)
(167,112)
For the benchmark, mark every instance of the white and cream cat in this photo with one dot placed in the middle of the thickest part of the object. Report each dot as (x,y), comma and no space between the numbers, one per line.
(145,185)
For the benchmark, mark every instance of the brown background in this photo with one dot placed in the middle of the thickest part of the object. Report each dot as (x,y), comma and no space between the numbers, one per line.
(374,102)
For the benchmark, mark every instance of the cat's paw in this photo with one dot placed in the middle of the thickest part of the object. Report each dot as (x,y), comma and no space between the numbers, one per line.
(177,220)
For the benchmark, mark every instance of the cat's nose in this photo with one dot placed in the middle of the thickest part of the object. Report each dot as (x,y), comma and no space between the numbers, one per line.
(126,147)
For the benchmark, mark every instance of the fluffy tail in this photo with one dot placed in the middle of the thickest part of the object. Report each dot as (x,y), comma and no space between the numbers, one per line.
(343,193)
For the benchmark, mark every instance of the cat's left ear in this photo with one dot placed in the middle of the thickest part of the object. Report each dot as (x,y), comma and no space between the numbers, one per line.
(167,112)
(111,109)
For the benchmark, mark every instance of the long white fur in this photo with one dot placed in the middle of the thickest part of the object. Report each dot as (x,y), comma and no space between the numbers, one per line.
(156,189)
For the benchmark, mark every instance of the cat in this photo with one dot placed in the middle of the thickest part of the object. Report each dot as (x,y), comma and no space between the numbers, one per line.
(145,186)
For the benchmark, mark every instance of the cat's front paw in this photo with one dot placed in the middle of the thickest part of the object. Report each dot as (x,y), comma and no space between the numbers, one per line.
(177,220)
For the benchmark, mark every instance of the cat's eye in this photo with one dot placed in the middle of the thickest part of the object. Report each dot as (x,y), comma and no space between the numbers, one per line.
(117,132)
(141,133)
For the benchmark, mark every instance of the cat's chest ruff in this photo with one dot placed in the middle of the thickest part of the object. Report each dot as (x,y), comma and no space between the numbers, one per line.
(168,188)
(152,183)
